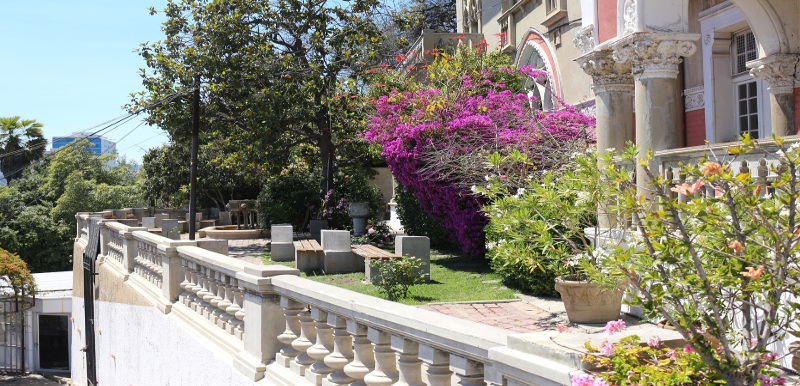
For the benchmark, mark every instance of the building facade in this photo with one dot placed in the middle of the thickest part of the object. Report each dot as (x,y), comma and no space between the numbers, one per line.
(100,145)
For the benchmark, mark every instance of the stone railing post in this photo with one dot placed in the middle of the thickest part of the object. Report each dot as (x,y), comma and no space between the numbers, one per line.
(264,319)
(173,273)
(129,250)
(104,238)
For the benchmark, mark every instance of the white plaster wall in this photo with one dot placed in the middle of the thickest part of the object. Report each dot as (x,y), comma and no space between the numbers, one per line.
(148,348)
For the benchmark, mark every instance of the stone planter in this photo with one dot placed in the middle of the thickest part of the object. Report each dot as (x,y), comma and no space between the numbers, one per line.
(588,302)
(359,212)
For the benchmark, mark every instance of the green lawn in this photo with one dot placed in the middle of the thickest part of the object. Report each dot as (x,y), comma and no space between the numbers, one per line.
(453,279)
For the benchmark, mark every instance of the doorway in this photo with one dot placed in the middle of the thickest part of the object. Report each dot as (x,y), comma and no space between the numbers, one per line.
(54,342)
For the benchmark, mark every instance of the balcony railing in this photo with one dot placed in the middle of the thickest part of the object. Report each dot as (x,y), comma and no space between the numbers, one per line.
(291,330)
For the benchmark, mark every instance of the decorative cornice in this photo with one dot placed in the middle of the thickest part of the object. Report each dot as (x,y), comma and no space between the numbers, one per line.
(778,70)
(629,17)
(584,39)
(607,74)
(694,98)
(654,55)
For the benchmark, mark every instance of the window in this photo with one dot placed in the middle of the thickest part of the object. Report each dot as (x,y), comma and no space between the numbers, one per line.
(745,51)
(747,110)
(746,94)
(539,89)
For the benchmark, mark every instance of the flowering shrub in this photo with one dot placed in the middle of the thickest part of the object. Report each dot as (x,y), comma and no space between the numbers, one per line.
(718,257)
(429,133)
(16,274)
(396,276)
(538,233)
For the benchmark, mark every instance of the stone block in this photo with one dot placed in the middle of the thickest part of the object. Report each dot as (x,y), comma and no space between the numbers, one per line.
(335,241)
(129,222)
(169,229)
(305,261)
(198,216)
(120,214)
(315,227)
(138,213)
(281,233)
(224,218)
(214,245)
(417,246)
(282,251)
(148,222)
(159,217)
(342,262)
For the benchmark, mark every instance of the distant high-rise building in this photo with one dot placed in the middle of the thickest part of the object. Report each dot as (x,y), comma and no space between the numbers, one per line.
(100,145)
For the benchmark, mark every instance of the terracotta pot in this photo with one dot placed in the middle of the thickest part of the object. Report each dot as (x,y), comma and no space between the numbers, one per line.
(588,302)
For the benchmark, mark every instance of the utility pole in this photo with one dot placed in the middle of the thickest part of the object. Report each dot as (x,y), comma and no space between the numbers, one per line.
(193,162)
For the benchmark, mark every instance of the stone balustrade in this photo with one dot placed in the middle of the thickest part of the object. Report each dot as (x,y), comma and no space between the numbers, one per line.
(274,324)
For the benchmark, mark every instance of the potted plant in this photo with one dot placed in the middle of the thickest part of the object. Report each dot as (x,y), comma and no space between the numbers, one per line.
(540,233)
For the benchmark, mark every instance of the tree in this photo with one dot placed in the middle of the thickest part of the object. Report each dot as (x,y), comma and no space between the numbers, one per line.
(277,79)
(21,142)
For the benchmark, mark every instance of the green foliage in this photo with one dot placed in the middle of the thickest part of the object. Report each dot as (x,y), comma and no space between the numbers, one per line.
(395,276)
(44,244)
(655,364)
(538,234)
(416,221)
(287,199)
(15,274)
(82,195)
(715,253)
(21,143)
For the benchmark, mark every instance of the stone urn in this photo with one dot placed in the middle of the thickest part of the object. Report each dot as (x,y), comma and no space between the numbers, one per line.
(359,212)
(588,302)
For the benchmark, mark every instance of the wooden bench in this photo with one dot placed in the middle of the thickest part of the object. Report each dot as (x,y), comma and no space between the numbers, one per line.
(370,253)
(308,254)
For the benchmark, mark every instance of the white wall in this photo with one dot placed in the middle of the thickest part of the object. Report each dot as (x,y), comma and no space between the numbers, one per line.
(149,348)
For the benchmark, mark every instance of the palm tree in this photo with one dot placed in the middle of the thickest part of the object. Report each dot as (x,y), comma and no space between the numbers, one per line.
(21,142)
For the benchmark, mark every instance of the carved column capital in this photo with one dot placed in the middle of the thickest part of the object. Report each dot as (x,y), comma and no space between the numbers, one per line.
(778,70)
(607,73)
(584,39)
(654,55)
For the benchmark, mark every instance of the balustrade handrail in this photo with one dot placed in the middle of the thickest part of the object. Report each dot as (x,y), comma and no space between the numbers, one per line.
(448,333)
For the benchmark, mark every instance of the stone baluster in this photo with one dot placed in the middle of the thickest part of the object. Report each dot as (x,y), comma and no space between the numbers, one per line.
(322,348)
(238,297)
(468,372)
(408,364)
(129,249)
(191,291)
(197,289)
(342,353)
(186,283)
(223,318)
(291,309)
(219,294)
(235,308)
(385,372)
(437,364)
(200,289)
(363,358)
(302,343)
(210,289)
(761,175)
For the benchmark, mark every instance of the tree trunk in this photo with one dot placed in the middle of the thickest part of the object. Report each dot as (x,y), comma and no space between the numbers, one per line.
(327,152)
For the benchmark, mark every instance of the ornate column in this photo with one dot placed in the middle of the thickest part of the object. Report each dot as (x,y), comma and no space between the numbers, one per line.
(779,71)
(613,95)
(654,59)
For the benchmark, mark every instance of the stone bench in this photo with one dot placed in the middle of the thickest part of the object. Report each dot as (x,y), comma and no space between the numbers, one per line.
(308,254)
(371,253)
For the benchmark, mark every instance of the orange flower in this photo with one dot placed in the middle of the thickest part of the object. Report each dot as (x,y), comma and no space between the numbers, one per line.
(735,246)
(688,190)
(711,168)
(752,273)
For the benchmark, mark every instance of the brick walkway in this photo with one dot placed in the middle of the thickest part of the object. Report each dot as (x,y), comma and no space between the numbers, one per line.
(517,316)
(249,250)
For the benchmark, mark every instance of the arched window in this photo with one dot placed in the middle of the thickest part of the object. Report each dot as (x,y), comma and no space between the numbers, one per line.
(541,89)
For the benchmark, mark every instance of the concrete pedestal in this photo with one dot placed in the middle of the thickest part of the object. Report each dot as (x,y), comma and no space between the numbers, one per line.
(281,244)
(418,247)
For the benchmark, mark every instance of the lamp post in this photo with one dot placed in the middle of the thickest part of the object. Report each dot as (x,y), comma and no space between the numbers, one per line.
(193,162)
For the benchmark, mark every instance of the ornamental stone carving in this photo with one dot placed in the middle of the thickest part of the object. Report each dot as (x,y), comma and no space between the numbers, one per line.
(694,98)
(655,55)
(777,70)
(629,17)
(584,39)
(607,73)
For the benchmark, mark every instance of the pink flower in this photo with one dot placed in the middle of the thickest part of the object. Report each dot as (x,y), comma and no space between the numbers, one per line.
(735,246)
(753,341)
(370,230)
(672,355)
(753,273)
(613,327)
(770,356)
(688,349)
(562,328)
(606,348)
(654,341)
(587,380)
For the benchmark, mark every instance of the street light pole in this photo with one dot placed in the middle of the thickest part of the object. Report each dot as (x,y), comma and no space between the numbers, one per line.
(193,162)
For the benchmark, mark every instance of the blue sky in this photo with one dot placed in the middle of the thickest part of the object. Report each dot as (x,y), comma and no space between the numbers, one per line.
(70,65)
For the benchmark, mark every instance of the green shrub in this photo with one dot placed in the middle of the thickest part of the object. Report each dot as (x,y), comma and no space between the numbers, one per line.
(416,222)
(287,198)
(394,277)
